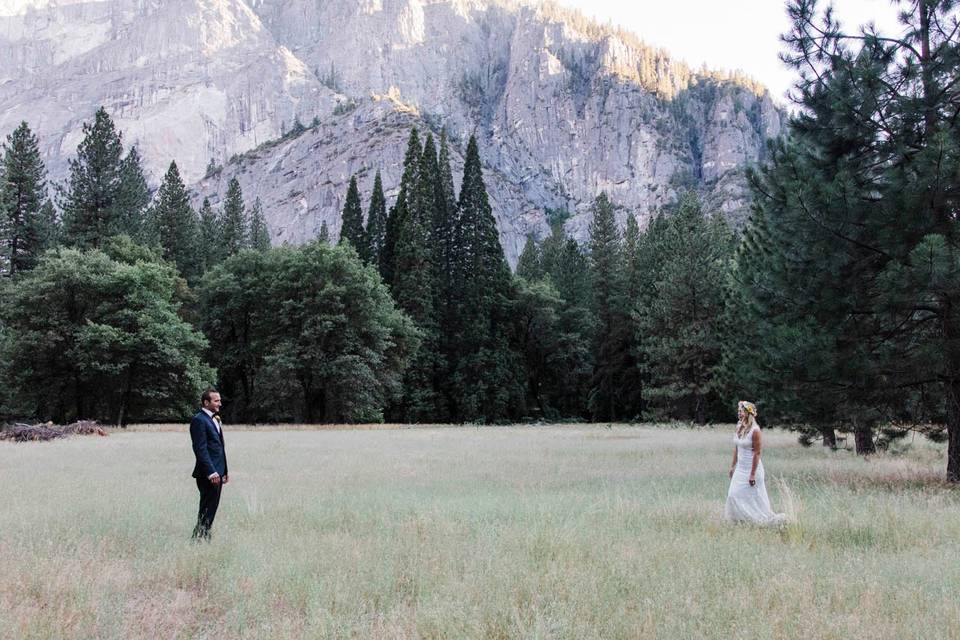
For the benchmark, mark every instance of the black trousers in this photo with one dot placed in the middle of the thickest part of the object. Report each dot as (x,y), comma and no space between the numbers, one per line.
(209,501)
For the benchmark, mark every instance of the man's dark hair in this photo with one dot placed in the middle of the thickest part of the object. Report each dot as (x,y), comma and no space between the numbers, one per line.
(206,395)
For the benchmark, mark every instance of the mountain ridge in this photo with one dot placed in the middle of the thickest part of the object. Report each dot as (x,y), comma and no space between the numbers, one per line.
(562,107)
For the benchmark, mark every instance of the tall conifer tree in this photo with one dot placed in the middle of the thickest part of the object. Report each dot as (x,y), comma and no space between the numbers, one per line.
(486,384)
(682,322)
(133,196)
(411,166)
(25,228)
(351,229)
(414,286)
(632,380)
(849,271)
(259,234)
(233,221)
(565,263)
(50,224)
(558,377)
(376,223)
(528,266)
(446,211)
(177,226)
(610,349)
(92,200)
(209,245)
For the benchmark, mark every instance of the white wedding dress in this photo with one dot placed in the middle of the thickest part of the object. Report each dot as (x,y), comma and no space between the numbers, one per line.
(746,503)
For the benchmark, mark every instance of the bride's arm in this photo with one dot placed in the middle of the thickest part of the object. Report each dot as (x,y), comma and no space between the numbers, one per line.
(733,465)
(756,455)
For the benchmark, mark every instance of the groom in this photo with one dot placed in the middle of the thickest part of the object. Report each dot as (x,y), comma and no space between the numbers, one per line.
(206,432)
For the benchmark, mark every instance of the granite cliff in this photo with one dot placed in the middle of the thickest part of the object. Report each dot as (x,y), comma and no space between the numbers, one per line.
(562,107)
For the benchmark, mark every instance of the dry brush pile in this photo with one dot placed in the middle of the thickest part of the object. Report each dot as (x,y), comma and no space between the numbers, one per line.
(20,432)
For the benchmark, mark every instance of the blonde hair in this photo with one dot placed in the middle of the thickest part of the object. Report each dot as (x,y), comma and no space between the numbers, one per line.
(750,421)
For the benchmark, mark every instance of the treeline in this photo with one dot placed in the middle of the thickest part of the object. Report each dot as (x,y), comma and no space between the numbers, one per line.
(622,329)
(120,305)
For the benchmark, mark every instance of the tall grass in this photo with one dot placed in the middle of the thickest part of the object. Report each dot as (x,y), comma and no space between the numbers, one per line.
(536,532)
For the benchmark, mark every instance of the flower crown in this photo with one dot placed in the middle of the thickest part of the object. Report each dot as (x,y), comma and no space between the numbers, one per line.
(749,407)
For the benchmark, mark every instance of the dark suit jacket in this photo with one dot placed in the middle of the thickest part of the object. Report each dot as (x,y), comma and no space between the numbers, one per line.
(207,447)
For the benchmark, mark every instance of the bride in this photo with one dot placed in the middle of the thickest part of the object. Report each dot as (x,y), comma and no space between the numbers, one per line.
(747,499)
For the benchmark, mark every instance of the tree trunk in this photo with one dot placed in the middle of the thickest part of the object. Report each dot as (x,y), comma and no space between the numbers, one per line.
(863,436)
(700,410)
(124,403)
(927,10)
(309,397)
(538,395)
(247,391)
(307,405)
(829,437)
(950,328)
(953,430)
(78,399)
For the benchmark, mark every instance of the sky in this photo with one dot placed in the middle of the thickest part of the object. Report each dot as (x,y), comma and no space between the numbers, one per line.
(727,34)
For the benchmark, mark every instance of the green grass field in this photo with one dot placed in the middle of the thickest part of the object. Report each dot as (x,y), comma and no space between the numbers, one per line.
(496,532)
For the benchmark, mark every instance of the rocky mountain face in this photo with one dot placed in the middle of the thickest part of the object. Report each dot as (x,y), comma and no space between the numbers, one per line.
(562,108)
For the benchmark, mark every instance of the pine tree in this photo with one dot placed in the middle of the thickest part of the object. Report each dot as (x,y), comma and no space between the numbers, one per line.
(783,330)
(538,339)
(634,276)
(177,226)
(429,196)
(561,266)
(351,230)
(212,168)
(415,287)
(644,260)
(92,200)
(324,235)
(528,266)
(209,246)
(446,217)
(445,223)
(376,223)
(386,264)
(411,165)
(233,221)
(555,324)
(682,322)
(259,238)
(297,128)
(50,225)
(850,273)
(568,268)
(133,196)
(430,200)
(611,342)
(25,227)
(486,381)
(631,246)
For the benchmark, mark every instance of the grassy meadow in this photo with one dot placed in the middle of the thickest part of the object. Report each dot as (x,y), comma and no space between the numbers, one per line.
(462,532)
